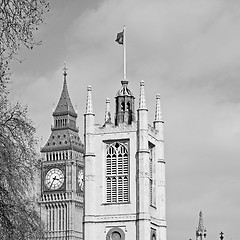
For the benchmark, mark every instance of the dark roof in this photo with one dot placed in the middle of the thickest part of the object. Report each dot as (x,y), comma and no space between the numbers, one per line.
(63,140)
(64,104)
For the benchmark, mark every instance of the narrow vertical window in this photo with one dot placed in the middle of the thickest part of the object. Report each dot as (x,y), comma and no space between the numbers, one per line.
(128,106)
(63,212)
(122,106)
(153,234)
(59,218)
(53,219)
(152,175)
(117,173)
(50,219)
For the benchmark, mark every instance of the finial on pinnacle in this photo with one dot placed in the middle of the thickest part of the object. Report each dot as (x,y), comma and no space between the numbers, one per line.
(65,69)
(89,108)
(107,112)
(158,113)
(89,88)
(142,101)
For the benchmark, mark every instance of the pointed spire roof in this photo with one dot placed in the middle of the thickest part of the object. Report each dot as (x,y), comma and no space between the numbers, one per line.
(201,232)
(64,105)
(200,223)
(124,91)
(142,100)
(89,107)
(107,112)
(158,113)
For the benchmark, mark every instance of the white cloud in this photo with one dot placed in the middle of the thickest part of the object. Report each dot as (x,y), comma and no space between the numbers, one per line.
(188,51)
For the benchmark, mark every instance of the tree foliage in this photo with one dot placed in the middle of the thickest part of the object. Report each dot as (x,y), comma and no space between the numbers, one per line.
(18,160)
(19,217)
(19,19)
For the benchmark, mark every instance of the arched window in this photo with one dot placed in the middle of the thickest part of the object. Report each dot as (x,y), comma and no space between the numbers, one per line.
(153,234)
(117,173)
(122,106)
(128,106)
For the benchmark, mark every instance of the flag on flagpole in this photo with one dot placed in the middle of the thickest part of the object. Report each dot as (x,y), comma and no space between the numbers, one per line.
(120,38)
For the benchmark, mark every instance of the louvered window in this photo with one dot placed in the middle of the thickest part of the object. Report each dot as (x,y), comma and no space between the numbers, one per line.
(117,173)
(60,218)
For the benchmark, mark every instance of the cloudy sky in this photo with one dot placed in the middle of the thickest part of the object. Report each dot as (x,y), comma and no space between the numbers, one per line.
(186,50)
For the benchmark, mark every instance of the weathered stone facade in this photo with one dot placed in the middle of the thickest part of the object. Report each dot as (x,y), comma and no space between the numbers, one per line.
(121,165)
(124,196)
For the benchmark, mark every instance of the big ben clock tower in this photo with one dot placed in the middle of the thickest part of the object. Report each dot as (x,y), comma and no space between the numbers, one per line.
(61,200)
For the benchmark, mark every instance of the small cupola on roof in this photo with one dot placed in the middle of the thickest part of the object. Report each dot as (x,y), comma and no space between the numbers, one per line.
(64,106)
(124,105)
(124,98)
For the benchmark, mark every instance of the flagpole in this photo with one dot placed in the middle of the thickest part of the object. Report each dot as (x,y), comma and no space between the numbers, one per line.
(124,54)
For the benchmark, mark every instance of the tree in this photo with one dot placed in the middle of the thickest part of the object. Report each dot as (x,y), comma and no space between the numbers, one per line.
(19,218)
(18,21)
(18,159)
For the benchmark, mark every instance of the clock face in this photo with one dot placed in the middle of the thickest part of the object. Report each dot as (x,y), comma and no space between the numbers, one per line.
(54,179)
(80,179)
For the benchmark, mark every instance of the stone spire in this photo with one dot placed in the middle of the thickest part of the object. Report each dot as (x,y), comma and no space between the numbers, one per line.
(142,100)
(64,105)
(89,108)
(158,113)
(107,112)
(201,232)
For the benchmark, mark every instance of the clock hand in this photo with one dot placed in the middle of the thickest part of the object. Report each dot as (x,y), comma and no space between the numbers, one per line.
(54,178)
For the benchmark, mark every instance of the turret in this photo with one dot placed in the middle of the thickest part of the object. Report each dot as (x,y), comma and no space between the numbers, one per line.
(107,118)
(143,166)
(158,120)
(89,161)
(124,105)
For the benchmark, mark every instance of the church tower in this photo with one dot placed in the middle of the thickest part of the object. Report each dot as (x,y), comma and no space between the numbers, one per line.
(124,171)
(61,200)
(201,232)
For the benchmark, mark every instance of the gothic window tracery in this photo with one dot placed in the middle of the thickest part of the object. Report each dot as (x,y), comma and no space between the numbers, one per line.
(117,173)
